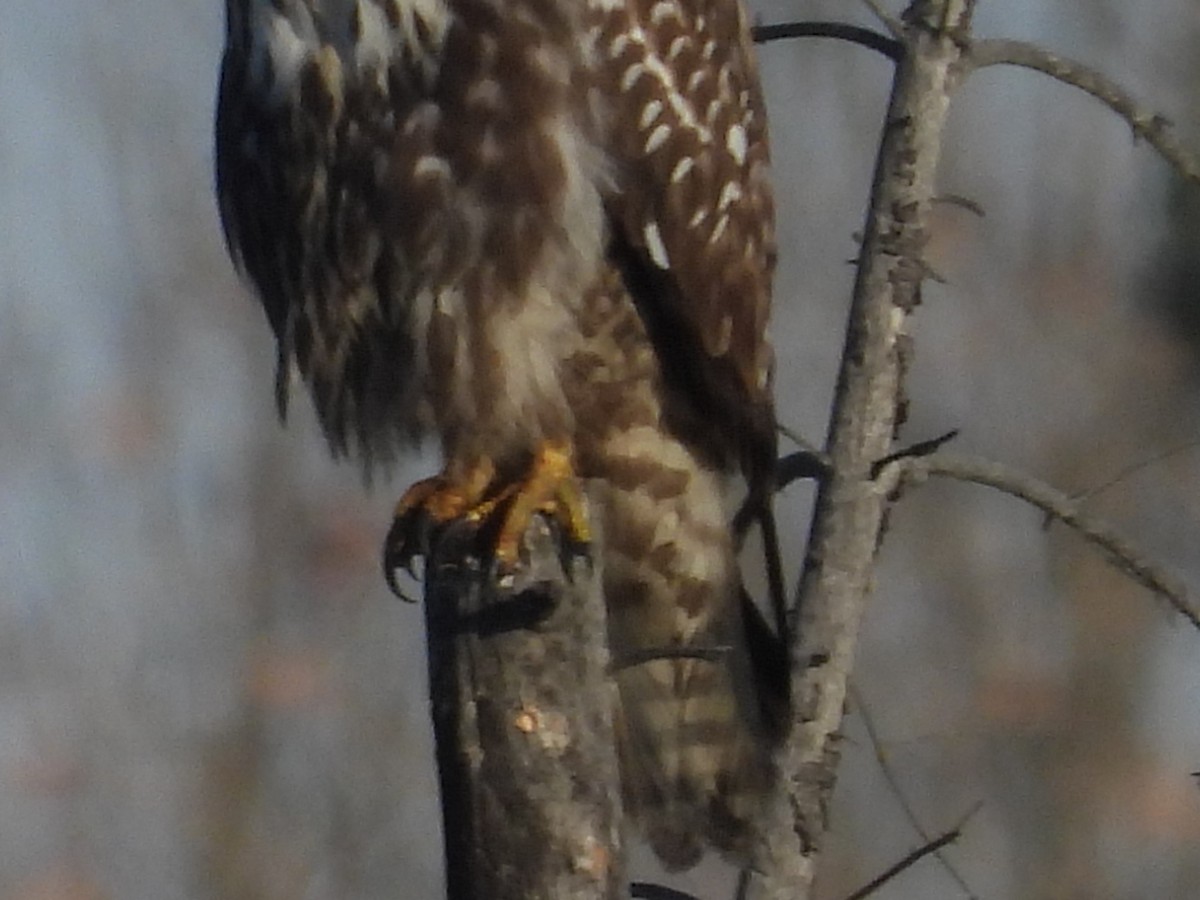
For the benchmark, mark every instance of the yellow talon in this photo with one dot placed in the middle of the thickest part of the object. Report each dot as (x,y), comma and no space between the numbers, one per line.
(444,498)
(470,493)
(550,489)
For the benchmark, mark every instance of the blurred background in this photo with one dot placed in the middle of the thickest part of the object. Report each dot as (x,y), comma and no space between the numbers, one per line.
(206,691)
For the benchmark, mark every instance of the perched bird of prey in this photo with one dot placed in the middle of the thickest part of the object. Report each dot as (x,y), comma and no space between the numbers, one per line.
(542,232)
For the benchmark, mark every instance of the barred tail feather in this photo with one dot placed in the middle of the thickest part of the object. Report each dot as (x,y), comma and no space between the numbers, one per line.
(694,763)
(693,747)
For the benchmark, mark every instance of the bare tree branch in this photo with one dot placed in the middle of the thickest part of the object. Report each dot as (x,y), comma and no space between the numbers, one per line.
(850,509)
(1154,128)
(522,708)
(1055,503)
(857,479)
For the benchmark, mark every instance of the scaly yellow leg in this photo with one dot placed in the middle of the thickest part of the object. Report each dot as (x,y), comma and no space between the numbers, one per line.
(549,488)
(445,499)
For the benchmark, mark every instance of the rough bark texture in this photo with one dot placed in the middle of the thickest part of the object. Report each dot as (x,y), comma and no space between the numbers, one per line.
(851,506)
(522,711)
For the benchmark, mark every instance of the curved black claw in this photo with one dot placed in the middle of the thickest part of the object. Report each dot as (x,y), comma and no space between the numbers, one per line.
(575,556)
(546,542)
(405,549)
(412,536)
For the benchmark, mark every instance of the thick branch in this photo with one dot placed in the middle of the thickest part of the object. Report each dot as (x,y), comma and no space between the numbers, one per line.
(1155,129)
(522,703)
(1053,503)
(850,506)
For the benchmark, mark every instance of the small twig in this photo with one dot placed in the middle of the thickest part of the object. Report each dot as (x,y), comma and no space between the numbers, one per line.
(855,34)
(1054,503)
(795,437)
(1147,124)
(1133,469)
(893,782)
(921,448)
(894,26)
(961,202)
(913,858)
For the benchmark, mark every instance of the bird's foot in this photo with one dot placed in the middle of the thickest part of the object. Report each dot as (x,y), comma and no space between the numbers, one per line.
(427,506)
(551,489)
(500,514)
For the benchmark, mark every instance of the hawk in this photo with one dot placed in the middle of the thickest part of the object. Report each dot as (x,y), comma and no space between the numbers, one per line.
(542,232)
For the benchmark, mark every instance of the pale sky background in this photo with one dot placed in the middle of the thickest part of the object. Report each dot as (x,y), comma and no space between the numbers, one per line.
(207,692)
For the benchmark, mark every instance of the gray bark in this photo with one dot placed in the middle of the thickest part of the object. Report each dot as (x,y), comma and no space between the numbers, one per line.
(868,406)
(522,709)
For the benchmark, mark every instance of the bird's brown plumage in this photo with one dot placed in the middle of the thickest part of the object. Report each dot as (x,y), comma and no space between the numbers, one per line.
(522,223)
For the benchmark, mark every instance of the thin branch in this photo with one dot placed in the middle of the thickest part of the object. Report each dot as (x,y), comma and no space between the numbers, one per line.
(1054,503)
(894,26)
(961,202)
(1133,469)
(795,437)
(855,34)
(1154,128)
(912,859)
(893,783)
(921,448)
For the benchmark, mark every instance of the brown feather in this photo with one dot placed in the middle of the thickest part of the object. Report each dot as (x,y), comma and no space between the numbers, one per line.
(507,222)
